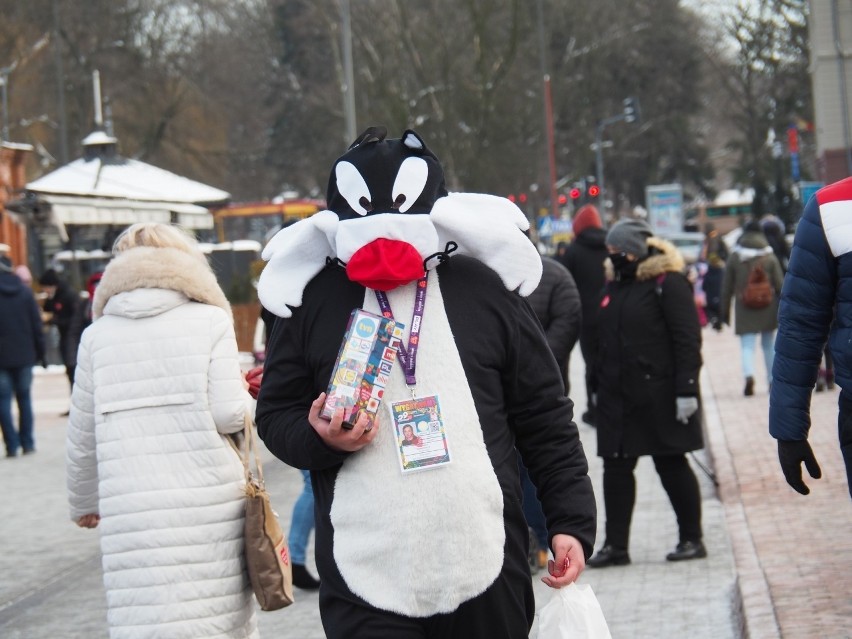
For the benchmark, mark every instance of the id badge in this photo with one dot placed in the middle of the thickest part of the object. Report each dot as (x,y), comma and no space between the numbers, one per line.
(420,434)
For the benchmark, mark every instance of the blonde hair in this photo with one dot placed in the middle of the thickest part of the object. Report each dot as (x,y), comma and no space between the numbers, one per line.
(157,235)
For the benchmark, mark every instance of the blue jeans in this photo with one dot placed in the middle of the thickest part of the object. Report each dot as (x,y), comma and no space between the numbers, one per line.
(767,344)
(16,382)
(532,508)
(302,522)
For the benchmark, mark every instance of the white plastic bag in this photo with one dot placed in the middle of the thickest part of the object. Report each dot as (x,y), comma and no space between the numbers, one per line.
(573,613)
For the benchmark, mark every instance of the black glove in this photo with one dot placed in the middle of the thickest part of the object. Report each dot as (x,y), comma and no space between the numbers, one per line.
(791,455)
(717,326)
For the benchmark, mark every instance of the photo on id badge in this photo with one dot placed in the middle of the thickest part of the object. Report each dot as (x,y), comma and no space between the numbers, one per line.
(419,428)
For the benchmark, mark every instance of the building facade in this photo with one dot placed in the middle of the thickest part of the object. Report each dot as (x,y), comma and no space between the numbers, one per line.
(830,28)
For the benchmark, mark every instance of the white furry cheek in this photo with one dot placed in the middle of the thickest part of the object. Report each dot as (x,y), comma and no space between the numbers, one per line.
(416,229)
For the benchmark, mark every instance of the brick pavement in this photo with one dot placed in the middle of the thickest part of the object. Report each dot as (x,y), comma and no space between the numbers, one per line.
(793,552)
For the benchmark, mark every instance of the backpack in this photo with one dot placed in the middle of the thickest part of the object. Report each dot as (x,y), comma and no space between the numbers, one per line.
(758,292)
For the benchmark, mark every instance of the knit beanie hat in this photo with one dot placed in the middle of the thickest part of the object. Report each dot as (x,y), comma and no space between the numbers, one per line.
(752,226)
(49,278)
(630,236)
(587,217)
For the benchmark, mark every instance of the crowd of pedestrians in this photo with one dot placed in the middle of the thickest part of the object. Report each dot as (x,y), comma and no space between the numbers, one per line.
(149,441)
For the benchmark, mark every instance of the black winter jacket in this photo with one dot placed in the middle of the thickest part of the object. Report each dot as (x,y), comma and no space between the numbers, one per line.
(556,304)
(649,354)
(21,334)
(63,305)
(584,258)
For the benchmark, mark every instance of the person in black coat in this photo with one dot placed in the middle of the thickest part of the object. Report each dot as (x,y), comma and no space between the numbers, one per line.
(556,303)
(21,347)
(584,259)
(62,303)
(647,367)
(714,253)
(773,229)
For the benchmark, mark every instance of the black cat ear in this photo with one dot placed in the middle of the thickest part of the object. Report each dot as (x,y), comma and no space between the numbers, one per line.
(372,134)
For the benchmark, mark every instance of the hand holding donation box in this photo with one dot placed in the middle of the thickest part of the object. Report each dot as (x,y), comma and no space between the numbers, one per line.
(363,366)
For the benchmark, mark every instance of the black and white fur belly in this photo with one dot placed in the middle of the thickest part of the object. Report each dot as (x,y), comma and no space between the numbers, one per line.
(422,543)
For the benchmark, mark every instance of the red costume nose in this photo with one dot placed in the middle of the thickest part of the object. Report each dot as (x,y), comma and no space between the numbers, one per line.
(385,264)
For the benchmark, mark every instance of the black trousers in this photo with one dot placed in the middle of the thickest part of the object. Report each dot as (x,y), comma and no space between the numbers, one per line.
(712,285)
(844,432)
(678,481)
(503,611)
(588,339)
(68,352)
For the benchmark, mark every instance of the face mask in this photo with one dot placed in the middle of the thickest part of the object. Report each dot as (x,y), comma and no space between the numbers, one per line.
(623,266)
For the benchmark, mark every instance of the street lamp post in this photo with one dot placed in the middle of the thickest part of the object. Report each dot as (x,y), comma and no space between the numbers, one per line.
(629,114)
(60,84)
(548,113)
(598,146)
(348,74)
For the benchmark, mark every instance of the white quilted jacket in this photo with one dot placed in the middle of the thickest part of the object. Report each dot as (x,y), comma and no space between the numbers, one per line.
(157,382)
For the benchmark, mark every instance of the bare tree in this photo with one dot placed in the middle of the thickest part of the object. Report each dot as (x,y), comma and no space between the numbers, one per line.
(247,95)
(767,85)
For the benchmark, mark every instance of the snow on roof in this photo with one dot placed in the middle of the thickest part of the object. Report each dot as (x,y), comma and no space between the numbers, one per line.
(734,196)
(16,146)
(125,178)
(98,137)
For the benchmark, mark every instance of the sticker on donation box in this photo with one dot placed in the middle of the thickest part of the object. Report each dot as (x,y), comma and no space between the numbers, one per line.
(419,430)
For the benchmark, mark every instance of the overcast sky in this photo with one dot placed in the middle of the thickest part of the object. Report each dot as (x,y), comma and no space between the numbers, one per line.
(713,7)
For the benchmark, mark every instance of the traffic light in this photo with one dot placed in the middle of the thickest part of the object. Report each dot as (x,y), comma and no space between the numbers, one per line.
(592,189)
(631,110)
(562,199)
(575,193)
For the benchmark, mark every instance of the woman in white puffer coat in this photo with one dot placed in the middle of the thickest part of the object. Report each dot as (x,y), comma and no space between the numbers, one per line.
(158,385)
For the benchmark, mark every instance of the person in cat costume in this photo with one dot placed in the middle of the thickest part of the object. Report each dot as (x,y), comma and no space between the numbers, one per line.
(439,552)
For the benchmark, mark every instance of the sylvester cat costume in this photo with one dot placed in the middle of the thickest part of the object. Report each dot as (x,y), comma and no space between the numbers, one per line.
(439,552)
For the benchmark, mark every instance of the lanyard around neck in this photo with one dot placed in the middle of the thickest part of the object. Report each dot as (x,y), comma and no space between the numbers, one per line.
(408,356)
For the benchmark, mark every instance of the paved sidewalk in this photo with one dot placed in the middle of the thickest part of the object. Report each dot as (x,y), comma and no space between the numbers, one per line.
(793,553)
(779,563)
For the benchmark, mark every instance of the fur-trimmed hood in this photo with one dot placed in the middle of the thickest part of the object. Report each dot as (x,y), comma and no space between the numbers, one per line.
(146,267)
(663,257)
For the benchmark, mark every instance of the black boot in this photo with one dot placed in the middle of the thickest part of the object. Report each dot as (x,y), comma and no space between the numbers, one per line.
(749,387)
(688,550)
(609,556)
(303,579)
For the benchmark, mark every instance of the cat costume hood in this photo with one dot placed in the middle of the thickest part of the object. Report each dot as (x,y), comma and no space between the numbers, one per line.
(389,219)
